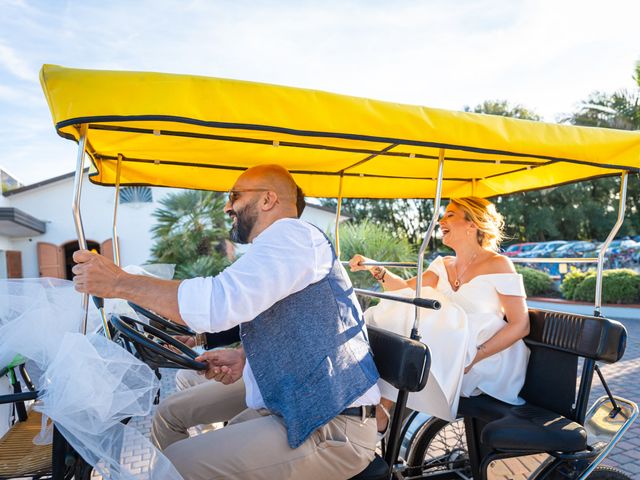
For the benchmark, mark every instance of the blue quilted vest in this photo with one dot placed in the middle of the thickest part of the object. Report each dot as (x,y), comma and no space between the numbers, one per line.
(310,355)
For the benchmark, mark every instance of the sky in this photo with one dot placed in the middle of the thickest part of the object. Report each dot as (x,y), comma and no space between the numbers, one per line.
(547,55)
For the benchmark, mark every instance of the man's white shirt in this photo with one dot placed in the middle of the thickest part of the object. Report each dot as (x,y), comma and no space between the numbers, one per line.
(283,259)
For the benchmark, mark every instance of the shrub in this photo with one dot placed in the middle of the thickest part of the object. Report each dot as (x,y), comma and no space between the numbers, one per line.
(373,241)
(535,281)
(570,281)
(618,286)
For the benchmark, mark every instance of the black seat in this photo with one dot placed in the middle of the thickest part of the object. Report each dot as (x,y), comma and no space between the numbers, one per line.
(523,428)
(551,419)
(403,363)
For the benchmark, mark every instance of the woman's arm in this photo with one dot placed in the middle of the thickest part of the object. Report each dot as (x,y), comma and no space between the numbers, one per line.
(517,327)
(516,316)
(390,281)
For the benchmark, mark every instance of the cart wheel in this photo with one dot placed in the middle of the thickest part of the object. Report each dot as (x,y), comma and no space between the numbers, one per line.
(441,447)
(605,472)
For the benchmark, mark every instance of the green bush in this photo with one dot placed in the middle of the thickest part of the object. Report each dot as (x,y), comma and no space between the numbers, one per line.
(373,241)
(618,286)
(535,281)
(570,281)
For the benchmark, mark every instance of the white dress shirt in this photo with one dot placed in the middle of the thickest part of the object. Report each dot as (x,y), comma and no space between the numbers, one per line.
(283,259)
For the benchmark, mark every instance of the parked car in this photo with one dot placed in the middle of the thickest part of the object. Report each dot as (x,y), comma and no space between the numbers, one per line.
(517,249)
(576,249)
(620,246)
(544,249)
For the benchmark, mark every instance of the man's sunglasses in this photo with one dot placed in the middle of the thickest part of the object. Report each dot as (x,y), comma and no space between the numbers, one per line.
(235,194)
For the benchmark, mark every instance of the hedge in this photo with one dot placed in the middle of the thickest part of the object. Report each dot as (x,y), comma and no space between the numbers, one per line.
(618,286)
(535,281)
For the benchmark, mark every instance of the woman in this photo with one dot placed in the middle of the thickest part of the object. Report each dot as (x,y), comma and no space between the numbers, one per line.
(484,284)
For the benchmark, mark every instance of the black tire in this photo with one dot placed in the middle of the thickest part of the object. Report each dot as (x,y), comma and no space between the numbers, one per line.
(605,472)
(441,447)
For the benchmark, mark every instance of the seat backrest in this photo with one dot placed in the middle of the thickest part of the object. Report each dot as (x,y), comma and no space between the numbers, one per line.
(401,361)
(557,341)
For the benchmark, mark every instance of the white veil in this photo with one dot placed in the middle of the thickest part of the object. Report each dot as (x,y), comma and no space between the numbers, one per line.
(88,384)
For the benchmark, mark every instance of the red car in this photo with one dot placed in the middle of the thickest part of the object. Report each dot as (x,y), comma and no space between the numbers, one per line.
(517,249)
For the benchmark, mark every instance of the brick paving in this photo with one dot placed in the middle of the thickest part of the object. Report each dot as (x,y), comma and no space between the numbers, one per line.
(622,378)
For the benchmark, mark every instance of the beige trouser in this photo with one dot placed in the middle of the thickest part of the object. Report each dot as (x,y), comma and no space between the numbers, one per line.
(189,378)
(254,443)
(254,446)
(204,403)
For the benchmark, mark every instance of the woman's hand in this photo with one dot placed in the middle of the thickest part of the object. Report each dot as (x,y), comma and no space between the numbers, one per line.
(356,263)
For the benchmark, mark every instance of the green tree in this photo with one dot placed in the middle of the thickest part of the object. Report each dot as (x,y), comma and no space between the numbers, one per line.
(190,232)
(401,218)
(504,109)
(619,110)
(373,241)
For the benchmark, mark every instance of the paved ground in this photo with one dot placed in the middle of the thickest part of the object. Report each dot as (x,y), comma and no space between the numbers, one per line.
(622,378)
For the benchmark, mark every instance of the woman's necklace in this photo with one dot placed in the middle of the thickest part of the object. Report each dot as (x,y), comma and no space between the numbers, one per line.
(456,282)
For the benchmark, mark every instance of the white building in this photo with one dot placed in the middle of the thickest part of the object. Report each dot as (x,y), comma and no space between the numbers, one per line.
(37,233)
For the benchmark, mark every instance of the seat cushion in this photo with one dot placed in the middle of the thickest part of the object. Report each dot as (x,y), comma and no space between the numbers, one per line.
(524,427)
(377,470)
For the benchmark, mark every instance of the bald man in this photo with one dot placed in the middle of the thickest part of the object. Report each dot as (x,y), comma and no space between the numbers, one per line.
(305,360)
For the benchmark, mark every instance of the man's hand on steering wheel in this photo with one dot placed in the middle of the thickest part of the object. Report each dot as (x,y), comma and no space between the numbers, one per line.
(224,365)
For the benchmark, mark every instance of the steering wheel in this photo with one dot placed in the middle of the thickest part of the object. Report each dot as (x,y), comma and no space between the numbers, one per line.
(162,323)
(153,345)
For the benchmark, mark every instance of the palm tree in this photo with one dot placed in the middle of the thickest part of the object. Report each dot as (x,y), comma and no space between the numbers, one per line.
(619,110)
(191,232)
(374,241)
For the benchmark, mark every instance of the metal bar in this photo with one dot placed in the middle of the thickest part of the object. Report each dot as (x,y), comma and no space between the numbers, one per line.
(588,366)
(75,208)
(554,260)
(514,260)
(606,387)
(603,249)
(425,242)
(338,207)
(114,237)
(385,264)
(417,301)
(395,429)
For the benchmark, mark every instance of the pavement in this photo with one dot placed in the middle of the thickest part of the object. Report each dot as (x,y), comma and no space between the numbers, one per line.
(622,378)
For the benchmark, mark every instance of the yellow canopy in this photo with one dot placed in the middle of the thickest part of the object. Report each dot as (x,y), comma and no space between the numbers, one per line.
(197,132)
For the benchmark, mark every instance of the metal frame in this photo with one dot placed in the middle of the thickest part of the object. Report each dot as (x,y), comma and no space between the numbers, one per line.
(77,219)
(425,242)
(75,208)
(603,249)
(114,235)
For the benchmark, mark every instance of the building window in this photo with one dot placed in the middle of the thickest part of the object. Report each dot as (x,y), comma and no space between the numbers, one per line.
(136,195)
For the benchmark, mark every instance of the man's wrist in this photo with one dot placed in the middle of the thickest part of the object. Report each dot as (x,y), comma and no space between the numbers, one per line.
(201,340)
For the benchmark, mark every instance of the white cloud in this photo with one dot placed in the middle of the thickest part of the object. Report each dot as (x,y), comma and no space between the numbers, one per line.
(10,61)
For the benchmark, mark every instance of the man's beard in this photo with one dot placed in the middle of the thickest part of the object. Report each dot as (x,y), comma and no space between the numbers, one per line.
(245,220)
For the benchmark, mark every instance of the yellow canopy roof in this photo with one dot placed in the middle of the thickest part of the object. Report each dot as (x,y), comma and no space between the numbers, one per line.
(198,132)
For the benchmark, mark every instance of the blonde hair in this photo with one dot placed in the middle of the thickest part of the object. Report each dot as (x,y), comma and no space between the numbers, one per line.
(484,215)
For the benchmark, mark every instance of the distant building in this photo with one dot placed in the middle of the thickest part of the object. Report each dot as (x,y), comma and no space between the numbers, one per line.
(8,182)
(37,233)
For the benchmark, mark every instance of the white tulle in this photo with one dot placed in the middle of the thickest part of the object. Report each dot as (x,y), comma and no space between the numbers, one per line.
(88,384)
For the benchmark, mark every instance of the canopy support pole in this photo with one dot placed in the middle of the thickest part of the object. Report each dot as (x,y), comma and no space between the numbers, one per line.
(75,208)
(603,249)
(114,235)
(434,220)
(338,208)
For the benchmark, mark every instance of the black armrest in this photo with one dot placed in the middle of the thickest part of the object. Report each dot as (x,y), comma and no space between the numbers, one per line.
(596,338)
(401,361)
